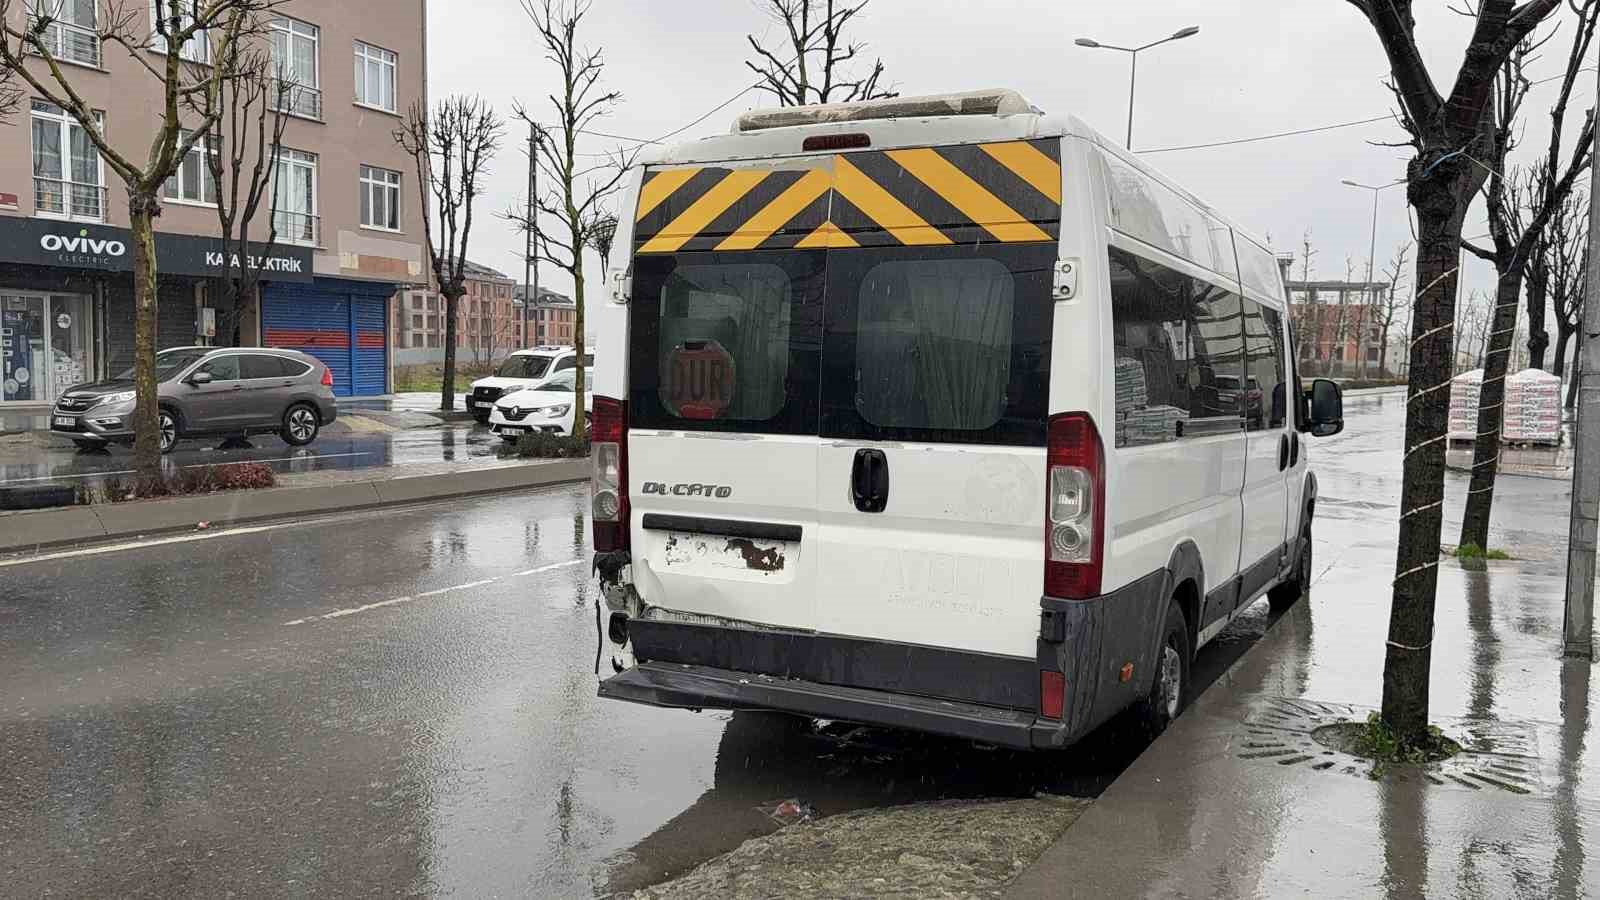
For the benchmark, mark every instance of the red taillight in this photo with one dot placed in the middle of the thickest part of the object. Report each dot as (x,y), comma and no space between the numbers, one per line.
(327,377)
(1074,524)
(608,486)
(1052,694)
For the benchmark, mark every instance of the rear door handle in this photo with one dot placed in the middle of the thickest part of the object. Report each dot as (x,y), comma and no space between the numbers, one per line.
(1283,452)
(869,481)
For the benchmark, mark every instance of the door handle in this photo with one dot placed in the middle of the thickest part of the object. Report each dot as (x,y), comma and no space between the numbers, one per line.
(869,481)
(1283,452)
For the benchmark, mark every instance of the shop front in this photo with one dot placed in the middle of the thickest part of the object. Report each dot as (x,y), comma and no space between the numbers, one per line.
(66,300)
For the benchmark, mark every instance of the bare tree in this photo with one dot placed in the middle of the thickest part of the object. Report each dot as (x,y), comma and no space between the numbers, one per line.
(579,193)
(813,65)
(1391,305)
(451,148)
(242,155)
(1557,271)
(1308,323)
(1446,132)
(1514,231)
(30,52)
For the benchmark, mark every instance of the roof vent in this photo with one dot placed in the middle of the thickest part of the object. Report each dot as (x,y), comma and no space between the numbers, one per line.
(995,102)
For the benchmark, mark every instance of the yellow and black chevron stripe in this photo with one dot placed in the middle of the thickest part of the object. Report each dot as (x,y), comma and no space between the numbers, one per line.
(974,193)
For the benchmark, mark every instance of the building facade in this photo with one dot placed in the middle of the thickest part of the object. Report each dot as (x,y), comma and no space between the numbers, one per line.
(488,320)
(345,200)
(553,322)
(1338,327)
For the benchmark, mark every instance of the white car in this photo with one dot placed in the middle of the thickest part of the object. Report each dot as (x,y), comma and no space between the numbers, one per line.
(948,437)
(545,408)
(519,371)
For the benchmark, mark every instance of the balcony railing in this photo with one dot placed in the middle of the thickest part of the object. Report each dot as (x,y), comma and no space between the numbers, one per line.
(298,100)
(71,42)
(298,228)
(57,197)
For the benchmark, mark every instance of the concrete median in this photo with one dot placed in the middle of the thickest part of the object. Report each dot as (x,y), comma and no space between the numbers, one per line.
(37,529)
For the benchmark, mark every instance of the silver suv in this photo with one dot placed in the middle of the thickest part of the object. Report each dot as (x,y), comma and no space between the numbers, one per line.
(234,391)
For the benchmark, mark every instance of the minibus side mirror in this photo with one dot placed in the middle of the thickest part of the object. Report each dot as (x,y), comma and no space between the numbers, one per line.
(1327,408)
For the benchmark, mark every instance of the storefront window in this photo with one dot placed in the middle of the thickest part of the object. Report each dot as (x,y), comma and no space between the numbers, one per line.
(45,346)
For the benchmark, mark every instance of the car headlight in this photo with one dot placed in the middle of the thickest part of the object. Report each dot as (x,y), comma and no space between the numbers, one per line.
(123,397)
(550,412)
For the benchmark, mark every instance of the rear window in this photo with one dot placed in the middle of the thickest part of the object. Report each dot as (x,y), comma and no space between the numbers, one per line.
(727,341)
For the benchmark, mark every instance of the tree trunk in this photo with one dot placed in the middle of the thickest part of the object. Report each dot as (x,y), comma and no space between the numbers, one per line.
(1407,661)
(146,424)
(1383,352)
(1491,409)
(447,389)
(1572,383)
(1559,361)
(580,400)
(1538,337)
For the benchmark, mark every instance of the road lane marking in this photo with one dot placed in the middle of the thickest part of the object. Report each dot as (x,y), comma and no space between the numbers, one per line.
(397,601)
(139,545)
(233,462)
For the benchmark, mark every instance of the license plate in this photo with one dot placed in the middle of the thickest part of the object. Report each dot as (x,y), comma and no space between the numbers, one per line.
(710,554)
(483,404)
(66,422)
(510,429)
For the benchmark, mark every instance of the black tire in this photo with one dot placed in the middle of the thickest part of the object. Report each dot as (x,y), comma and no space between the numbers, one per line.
(480,418)
(168,427)
(301,424)
(1169,693)
(511,438)
(1289,592)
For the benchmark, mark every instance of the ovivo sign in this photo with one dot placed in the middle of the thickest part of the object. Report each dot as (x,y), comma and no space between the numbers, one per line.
(74,245)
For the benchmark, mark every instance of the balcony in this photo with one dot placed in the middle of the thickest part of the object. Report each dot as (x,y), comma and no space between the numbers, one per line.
(71,43)
(298,100)
(298,228)
(69,199)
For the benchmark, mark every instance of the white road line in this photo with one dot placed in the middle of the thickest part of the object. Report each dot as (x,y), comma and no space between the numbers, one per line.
(396,601)
(153,542)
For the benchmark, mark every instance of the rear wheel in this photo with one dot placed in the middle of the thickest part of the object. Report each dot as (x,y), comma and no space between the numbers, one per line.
(1169,694)
(168,422)
(1286,594)
(300,425)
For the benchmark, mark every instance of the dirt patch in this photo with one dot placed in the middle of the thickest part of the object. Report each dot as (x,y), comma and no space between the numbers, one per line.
(946,849)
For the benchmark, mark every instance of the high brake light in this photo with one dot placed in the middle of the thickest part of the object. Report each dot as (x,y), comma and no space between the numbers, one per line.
(327,377)
(608,486)
(1075,510)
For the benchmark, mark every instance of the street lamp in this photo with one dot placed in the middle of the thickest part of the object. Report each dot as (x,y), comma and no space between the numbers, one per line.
(1133,71)
(1372,246)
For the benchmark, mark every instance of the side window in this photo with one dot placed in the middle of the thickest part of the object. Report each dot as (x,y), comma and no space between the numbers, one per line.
(1267,401)
(565,363)
(294,368)
(257,365)
(1178,354)
(223,368)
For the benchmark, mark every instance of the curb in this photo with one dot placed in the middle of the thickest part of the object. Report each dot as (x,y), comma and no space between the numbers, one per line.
(39,529)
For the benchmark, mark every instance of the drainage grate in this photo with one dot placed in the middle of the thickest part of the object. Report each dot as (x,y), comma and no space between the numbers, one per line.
(1495,755)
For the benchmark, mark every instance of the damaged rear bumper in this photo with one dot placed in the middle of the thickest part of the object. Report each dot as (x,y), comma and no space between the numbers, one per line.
(684,686)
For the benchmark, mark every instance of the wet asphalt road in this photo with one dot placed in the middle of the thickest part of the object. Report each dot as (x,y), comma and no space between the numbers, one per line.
(404,702)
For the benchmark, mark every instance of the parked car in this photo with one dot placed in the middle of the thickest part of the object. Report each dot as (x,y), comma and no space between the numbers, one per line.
(207,391)
(548,407)
(522,369)
(970,477)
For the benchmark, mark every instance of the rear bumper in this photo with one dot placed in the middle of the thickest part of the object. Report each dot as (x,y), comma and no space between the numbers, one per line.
(701,687)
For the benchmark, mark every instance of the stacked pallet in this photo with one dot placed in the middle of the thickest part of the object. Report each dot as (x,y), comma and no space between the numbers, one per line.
(1532,408)
(1150,425)
(1465,391)
(1132,392)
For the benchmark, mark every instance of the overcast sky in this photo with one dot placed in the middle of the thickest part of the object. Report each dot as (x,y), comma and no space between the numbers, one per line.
(1256,68)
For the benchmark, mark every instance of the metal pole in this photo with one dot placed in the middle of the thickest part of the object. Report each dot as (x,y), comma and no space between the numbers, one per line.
(1133,78)
(527,256)
(533,232)
(1368,292)
(1578,630)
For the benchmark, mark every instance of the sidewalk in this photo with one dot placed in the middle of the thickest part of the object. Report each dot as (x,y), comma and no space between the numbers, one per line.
(1237,799)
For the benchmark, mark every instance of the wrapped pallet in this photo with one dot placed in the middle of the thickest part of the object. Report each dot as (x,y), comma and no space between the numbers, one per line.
(1532,407)
(1465,391)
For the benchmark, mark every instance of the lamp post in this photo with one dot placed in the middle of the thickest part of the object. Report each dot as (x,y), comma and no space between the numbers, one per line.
(1133,72)
(1372,247)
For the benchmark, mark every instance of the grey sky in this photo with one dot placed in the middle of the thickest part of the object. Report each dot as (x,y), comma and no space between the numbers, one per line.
(1256,68)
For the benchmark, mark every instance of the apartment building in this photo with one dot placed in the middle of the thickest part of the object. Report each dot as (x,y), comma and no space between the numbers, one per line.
(553,320)
(347,216)
(488,320)
(1337,326)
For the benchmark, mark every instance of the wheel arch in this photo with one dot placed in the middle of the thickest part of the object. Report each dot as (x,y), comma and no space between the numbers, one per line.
(1186,584)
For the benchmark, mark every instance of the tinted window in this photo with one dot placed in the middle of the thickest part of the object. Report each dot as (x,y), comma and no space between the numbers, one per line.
(223,368)
(1156,214)
(727,341)
(523,367)
(294,368)
(939,344)
(933,344)
(1266,403)
(169,364)
(1258,268)
(569,362)
(1177,354)
(259,366)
